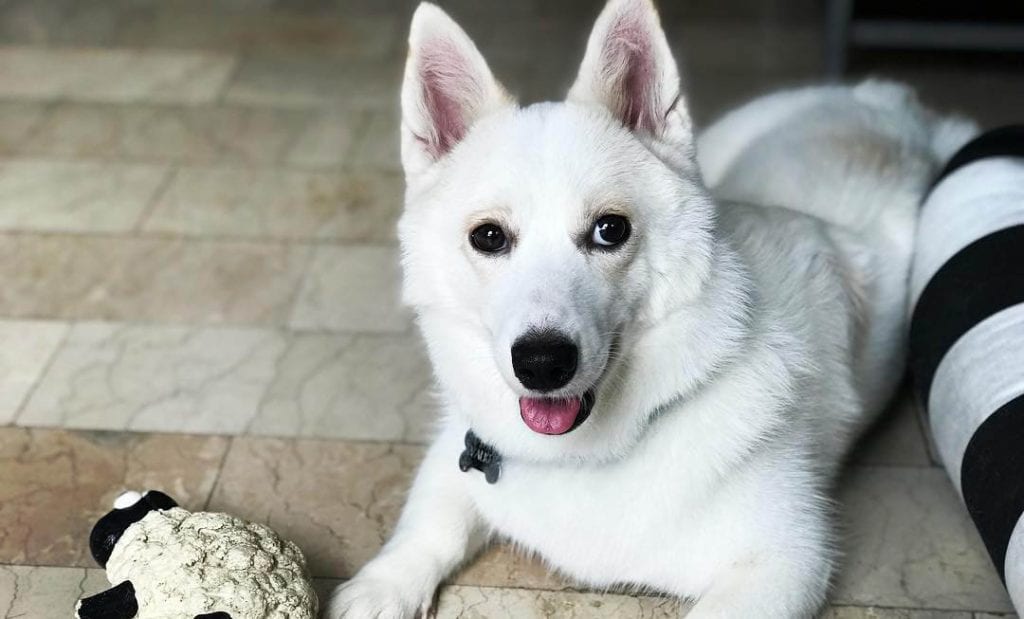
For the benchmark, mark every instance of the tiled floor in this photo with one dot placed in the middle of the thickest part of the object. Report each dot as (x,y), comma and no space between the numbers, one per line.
(199,285)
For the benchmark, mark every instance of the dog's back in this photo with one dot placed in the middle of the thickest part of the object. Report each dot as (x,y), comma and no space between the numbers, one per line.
(859,158)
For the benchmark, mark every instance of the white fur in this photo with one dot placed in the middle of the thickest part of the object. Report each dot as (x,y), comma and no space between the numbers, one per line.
(737,350)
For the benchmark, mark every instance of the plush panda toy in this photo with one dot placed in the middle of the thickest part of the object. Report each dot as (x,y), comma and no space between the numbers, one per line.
(168,563)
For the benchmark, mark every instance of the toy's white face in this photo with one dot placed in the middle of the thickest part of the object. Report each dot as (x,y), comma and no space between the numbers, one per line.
(538,243)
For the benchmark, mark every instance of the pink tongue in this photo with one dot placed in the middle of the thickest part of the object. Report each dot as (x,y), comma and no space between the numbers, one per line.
(549,416)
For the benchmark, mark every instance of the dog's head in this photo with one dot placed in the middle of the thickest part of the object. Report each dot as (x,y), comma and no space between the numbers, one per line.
(541,245)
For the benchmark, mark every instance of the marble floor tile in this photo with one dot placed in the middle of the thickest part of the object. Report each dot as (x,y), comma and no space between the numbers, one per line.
(275,203)
(76,196)
(340,35)
(211,380)
(896,438)
(481,602)
(65,23)
(327,139)
(908,542)
(379,145)
(46,592)
(302,80)
(148,279)
(26,348)
(711,93)
(155,378)
(339,502)
(371,387)
(17,120)
(93,74)
(465,602)
(165,133)
(716,45)
(351,289)
(547,38)
(470,11)
(26,22)
(55,484)
(460,602)
(381,7)
(89,24)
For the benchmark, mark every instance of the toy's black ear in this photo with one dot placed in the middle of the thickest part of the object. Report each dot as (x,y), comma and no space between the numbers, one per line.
(111,527)
(115,603)
(214,616)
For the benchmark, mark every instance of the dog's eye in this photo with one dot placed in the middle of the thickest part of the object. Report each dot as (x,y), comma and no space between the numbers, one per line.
(609,231)
(488,238)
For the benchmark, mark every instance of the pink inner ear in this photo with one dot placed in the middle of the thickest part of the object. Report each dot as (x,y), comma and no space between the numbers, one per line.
(447,88)
(628,60)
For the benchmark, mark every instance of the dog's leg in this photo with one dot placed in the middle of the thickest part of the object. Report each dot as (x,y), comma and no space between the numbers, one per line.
(439,528)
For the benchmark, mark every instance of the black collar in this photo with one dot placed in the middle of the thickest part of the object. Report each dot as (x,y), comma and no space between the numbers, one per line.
(480,456)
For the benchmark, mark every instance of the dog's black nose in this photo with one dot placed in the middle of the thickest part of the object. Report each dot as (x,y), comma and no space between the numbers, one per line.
(544,360)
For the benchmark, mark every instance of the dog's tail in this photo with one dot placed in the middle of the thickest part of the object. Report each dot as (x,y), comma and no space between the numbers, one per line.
(947,133)
(859,157)
(915,144)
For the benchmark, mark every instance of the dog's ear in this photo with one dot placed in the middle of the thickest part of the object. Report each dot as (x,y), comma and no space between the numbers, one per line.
(447,87)
(628,68)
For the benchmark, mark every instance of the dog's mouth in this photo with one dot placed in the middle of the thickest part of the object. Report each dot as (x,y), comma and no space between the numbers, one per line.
(556,415)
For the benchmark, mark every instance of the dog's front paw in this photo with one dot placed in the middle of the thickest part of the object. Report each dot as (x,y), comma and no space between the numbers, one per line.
(375,598)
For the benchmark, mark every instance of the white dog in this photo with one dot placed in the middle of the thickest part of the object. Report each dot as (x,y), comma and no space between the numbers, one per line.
(669,376)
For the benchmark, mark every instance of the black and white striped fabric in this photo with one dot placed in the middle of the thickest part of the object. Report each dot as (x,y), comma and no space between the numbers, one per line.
(967,337)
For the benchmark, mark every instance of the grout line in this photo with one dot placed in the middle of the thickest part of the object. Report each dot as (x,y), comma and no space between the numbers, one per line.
(220,471)
(50,104)
(239,56)
(364,118)
(212,326)
(341,168)
(305,106)
(230,78)
(154,200)
(68,325)
(49,566)
(283,158)
(295,298)
(200,238)
(231,437)
(47,112)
